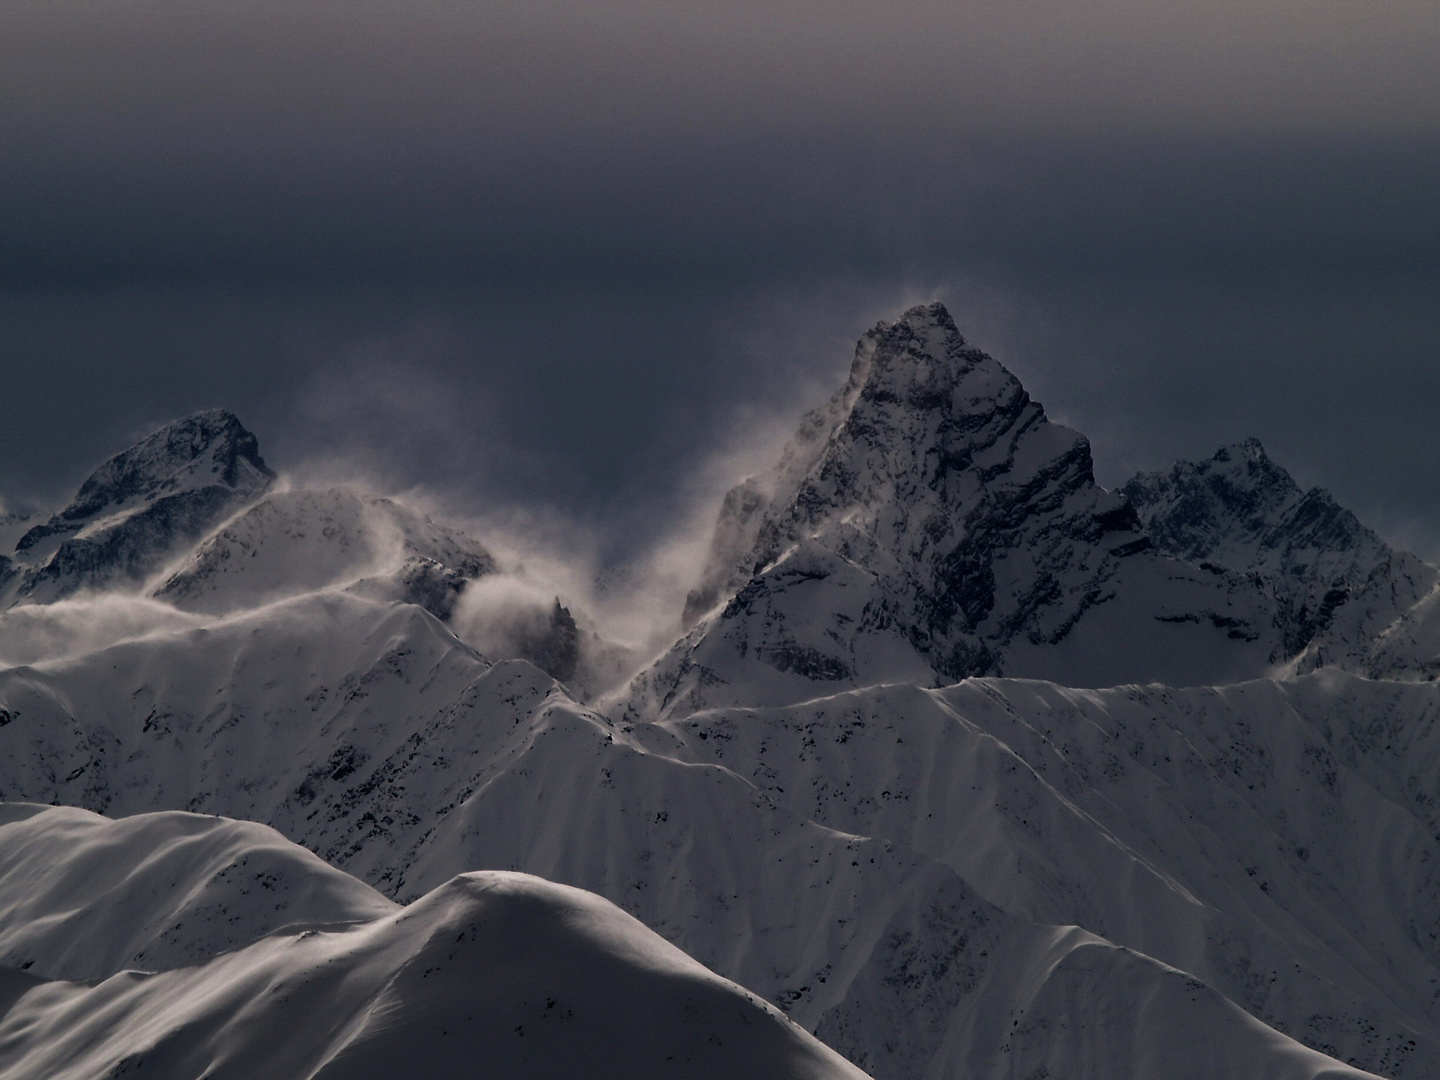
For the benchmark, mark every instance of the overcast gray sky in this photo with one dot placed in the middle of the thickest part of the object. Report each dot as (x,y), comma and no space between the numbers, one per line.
(579,257)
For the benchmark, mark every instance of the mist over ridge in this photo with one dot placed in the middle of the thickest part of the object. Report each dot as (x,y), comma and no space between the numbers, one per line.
(593,606)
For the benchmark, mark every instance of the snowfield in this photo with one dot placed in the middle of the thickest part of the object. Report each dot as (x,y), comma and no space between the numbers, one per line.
(491,974)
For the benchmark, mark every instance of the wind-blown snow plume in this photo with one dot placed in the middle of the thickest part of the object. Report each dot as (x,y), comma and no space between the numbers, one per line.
(34,633)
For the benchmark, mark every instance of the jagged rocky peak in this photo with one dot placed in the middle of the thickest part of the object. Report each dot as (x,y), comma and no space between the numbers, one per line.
(1335,582)
(1242,506)
(138,508)
(928,438)
(553,646)
(209,449)
(929,523)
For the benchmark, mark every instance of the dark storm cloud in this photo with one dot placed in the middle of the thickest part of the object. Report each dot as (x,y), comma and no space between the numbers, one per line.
(559,254)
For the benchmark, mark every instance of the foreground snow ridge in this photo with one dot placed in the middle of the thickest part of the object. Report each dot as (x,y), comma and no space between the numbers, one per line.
(491,974)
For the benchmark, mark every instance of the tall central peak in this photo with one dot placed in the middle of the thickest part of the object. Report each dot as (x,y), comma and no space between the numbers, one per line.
(930,441)
(929,522)
(921,348)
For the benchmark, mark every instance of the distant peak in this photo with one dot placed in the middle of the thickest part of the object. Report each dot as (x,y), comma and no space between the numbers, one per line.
(213,434)
(205,449)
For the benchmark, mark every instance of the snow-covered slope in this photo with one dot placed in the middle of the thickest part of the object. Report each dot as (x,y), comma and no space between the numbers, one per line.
(298,541)
(302,540)
(83,897)
(492,974)
(911,935)
(929,523)
(144,506)
(1409,648)
(1277,840)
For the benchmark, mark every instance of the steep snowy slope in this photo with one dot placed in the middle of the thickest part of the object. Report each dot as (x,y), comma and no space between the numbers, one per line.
(367,732)
(142,507)
(1337,585)
(298,541)
(929,523)
(491,974)
(1409,648)
(83,897)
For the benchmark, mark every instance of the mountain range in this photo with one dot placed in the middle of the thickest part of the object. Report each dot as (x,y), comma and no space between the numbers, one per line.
(956,764)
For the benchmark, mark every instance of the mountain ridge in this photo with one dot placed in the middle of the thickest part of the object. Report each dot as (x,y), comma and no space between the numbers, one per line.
(1196,838)
(491,971)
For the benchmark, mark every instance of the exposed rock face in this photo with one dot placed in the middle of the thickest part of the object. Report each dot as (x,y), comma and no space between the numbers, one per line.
(140,508)
(555,648)
(1338,588)
(953,531)
(1243,511)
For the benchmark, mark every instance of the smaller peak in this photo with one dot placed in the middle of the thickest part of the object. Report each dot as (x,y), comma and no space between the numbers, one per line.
(202,429)
(212,434)
(205,448)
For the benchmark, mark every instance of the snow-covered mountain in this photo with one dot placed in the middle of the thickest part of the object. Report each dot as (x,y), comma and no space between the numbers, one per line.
(1336,584)
(142,507)
(845,787)
(192,517)
(1342,595)
(930,523)
(900,930)
(276,965)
